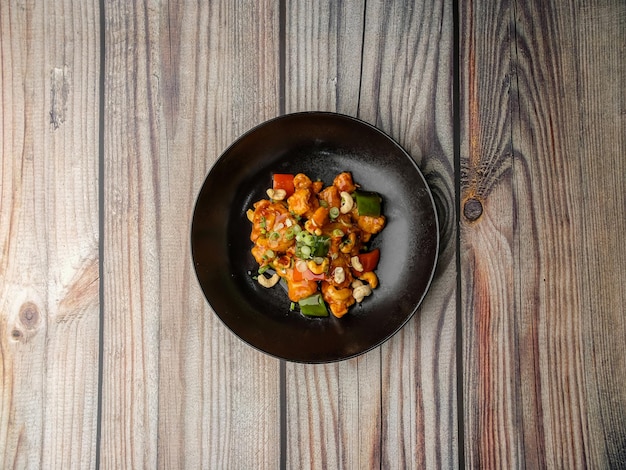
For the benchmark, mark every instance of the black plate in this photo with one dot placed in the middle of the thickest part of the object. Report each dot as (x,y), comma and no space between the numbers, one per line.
(320,145)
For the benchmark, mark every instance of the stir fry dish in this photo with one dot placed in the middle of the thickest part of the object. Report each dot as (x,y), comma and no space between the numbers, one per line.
(316,238)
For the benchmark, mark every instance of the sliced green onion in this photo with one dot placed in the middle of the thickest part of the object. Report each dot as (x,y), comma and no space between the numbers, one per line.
(337,233)
(292,307)
(334,212)
(297,228)
(289,234)
(308,239)
(274,236)
(323,203)
(270,254)
(262,223)
(306,251)
(262,269)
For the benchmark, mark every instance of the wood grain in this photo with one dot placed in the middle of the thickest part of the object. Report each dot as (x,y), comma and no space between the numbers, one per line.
(490,384)
(543,211)
(542,269)
(332,411)
(350,415)
(407,92)
(183,80)
(49,310)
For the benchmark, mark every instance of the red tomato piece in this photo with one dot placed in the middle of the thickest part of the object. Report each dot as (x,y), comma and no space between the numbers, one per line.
(284,181)
(369,260)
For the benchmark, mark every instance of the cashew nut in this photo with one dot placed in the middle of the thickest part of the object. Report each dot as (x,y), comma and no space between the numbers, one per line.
(347,203)
(271,282)
(356,263)
(339,275)
(360,292)
(346,246)
(310,226)
(250,215)
(318,268)
(276,194)
(338,295)
(370,278)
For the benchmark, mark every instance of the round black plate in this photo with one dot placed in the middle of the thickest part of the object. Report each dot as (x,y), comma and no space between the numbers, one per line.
(320,145)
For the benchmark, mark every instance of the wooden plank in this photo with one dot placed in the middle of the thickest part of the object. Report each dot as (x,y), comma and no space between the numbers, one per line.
(371,411)
(489,374)
(49,309)
(183,80)
(332,411)
(599,58)
(407,92)
(542,307)
(323,56)
(570,129)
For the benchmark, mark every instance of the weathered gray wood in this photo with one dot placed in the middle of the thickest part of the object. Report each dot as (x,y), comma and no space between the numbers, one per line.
(407,92)
(372,411)
(333,411)
(543,265)
(49,314)
(543,126)
(183,80)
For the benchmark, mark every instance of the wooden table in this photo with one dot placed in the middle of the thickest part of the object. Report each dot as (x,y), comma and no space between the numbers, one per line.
(112,113)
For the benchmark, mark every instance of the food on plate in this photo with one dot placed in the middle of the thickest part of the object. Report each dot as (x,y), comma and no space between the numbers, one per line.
(315,238)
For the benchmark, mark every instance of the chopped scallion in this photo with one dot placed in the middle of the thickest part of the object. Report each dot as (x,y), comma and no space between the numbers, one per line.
(308,239)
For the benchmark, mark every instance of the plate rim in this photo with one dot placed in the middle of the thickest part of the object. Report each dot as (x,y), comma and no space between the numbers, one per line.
(432,205)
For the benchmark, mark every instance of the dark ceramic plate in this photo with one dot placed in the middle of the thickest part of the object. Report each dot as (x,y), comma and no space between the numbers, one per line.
(320,145)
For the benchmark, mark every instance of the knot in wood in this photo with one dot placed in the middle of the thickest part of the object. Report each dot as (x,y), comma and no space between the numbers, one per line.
(29,315)
(472,209)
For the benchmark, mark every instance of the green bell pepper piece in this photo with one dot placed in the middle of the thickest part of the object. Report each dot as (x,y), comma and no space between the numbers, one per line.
(313,306)
(368,203)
